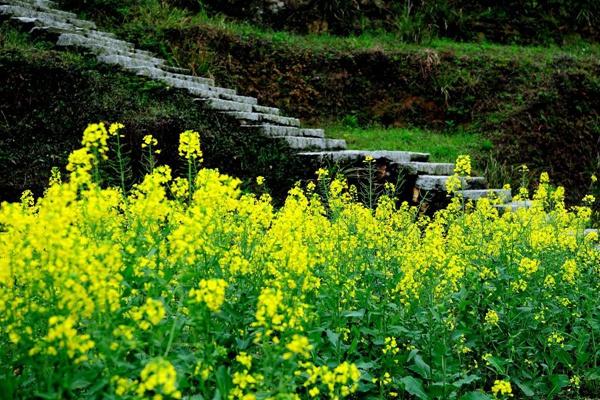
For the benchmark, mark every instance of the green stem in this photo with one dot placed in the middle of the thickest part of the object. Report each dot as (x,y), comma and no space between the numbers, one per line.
(121,163)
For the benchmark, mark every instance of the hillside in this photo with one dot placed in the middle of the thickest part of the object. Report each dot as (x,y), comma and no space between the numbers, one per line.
(538,105)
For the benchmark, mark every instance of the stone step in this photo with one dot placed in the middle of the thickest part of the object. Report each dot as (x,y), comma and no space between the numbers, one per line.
(92,43)
(46,6)
(229,105)
(426,168)
(278,130)
(107,48)
(38,26)
(193,87)
(298,142)
(226,105)
(37,7)
(237,97)
(514,205)
(438,182)
(259,117)
(44,17)
(206,94)
(102,44)
(156,73)
(266,110)
(505,195)
(125,62)
(43,4)
(177,70)
(360,155)
(107,36)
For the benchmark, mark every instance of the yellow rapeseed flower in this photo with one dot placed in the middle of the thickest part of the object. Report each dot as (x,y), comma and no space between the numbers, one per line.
(492,318)
(502,388)
(462,165)
(189,146)
(211,292)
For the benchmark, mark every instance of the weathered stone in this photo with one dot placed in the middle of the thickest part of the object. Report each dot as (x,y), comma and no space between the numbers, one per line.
(227,105)
(359,155)
(514,205)
(258,117)
(436,182)
(502,194)
(427,168)
(44,17)
(278,130)
(297,142)
(265,110)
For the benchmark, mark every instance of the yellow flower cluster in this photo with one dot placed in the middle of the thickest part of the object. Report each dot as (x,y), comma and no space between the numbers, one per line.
(189,146)
(556,339)
(298,346)
(390,346)
(502,388)
(211,292)
(462,166)
(63,335)
(492,318)
(159,376)
(98,280)
(149,140)
(151,313)
(570,271)
(528,266)
(95,138)
(340,381)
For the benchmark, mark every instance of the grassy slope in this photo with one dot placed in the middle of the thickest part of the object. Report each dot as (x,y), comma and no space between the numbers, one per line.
(48,97)
(443,147)
(157,17)
(536,103)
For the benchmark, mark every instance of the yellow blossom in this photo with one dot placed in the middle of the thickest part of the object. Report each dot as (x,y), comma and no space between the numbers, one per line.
(189,146)
(502,388)
(211,292)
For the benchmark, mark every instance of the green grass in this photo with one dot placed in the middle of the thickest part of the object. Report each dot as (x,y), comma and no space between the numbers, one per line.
(154,18)
(157,15)
(388,41)
(443,147)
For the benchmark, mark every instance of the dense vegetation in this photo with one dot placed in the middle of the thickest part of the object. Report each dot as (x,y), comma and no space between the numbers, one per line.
(184,287)
(538,105)
(48,96)
(512,21)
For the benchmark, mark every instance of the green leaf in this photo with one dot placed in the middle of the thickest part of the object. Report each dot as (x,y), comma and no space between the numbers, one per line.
(354,314)
(476,396)
(593,374)
(414,387)
(333,337)
(365,365)
(79,383)
(524,388)
(466,381)
(497,363)
(558,382)
(421,367)
(223,382)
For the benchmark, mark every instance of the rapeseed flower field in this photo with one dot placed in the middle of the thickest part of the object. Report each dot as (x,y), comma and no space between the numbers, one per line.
(189,288)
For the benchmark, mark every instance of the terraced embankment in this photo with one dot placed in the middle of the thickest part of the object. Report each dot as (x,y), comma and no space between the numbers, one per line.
(538,105)
(310,146)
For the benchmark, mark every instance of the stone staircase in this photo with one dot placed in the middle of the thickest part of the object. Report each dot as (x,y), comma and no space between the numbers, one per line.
(42,17)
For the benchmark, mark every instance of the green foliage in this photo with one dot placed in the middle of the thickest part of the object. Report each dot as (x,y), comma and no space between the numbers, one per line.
(186,287)
(512,21)
(443,146)
(38,134)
